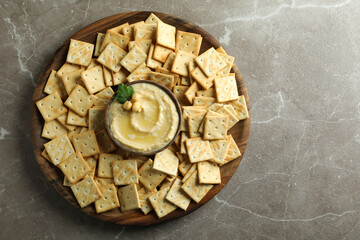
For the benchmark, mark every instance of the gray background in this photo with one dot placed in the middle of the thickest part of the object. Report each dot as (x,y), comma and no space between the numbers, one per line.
(299,177)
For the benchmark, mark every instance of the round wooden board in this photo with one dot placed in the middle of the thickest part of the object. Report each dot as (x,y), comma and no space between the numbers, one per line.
(240,132)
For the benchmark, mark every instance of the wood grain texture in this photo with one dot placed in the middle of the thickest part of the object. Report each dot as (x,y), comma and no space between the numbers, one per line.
(240,131)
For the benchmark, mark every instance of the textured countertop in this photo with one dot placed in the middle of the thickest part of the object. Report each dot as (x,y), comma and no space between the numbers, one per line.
(299,177)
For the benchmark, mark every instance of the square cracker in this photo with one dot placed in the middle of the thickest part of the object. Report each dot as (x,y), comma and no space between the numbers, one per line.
(179,92)
(240,107)
(109,200)
(208,114)
(188,42)
(80,52)
(144,202)
(103,181)
(165,35)
(169,61)
(150,177)
(97,118)
(72,79)
(129,197)
(86,143)
(133,59)
(80,101)
(191,170)
(66,68)
(210,92)
(142,72)
(125,172)
(52,129)
(93,79)
(111,57)
(152,19)
(163,79)
(91,162)
(184,137)
(210,62)
(232,118)
(51,107)
(180,63)
(143,44)
(76,119)
(150,62)
(198,75)
(104,97)
(105,164)
(59,149)
(167,162)
(119,77)
(190,92)
(226,89)
(219,148)
(119,29)
(184,167)
(62,119)
(198,150)
(105,143)
(107,76)
(204,101)
(161,53)
(215,127)
(115,38)
(177,196)
(93,63)
(99,40)
(233,151)
(86,192)
(194,189)
(194,122)
(142,34)
(221,50)
(209,173)
(55,84)
(161,206)
(74,168)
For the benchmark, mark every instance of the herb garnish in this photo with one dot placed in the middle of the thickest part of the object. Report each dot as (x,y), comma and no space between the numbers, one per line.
(124,93)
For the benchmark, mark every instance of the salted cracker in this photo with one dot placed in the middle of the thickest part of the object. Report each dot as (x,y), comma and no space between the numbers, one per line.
(105,143)
(105,164)
(103,181)
(226,89)
(210,92)
(165,35)
(163,79)
(62,119)
(184,167)
(169,61)
(119,77)
(66,68)
(133,59)
(198,75)
(143,44)
(71,79)
(150,61)
(145,205)
(86,192)
(97,118)
(167,162)
(80,52)
(51,107)
(190,92)
(232,118)
(161,53)
(161,206)
(233,151)
(180,63)
(74,167)
(129,197)
(52,129)
(149,177)
(80,100)
(142,72)
(111,57)
(142,34)
(119,29)
(177,196)
(115,38)
(219,148)
(179,92)
(194,122)
(209,173)
(125,172)
(215,127)
(91,162)
(204,101)
(109,199)
(240,107)
(99,40)
(107,76)
(194,189)
(191,170)
(152,19)
(104,97)
(55,84)
(210,62)
(188,42)
(86,143)
(198,149)
(58,149)
(77,120)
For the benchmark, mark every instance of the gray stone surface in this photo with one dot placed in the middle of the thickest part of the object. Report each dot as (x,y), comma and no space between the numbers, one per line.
(299,177)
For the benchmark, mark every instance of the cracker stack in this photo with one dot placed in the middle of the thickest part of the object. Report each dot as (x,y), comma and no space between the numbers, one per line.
(79,91)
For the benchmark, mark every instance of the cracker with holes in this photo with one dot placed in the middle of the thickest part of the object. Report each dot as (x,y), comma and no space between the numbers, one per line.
(179,92)
(198,150)
(97,118)
(184,167)
(93,79)
(86,192)
(51,107)
(107,76)
(80,52)
(99,40)
(226,89)
(55,84)
(210,92)
(80,101)
(180,63)
(165,35)
(86,143)
(233,151)
(119,77)
(62,119)
(105,164)
(219,148)
(149,177)
(104,96)
(52,129)
(209,173)
(119,29)
(190,92)
(74,167)
(150,61)
(115,38)
(225,110)
(163,79)
(161,53)
(125,172)
(152,19)
(91,162)
(67,68)
(166,162)
(240,107)
(204,101)
(210,62)
(105,143)
(194,122)
(109,199)
(188,42)
(145,205)
(194,189)
(143,44)
(133,59)
(93,63)
(58,149)
(161,206)
(177,196)
(111,57)
(76,120)
(215,127)
(198,75)
(103,181)
(129,197)
(169,61)
(142,72)
(142,34)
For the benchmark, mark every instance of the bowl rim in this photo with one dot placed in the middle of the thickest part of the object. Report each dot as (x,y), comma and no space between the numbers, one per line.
(128,149)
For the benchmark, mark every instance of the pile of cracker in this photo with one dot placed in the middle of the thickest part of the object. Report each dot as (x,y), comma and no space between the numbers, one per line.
(74,113)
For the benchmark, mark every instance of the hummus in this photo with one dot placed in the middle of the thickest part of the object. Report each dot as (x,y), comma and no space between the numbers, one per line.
(151,128)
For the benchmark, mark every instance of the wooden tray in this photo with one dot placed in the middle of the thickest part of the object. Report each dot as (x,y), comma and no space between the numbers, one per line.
(240,132)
